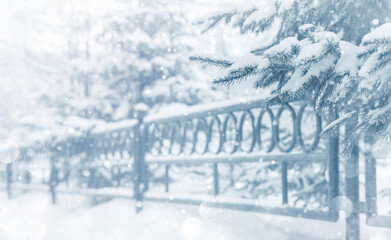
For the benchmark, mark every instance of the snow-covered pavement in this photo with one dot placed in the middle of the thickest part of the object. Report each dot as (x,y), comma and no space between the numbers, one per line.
(32,217)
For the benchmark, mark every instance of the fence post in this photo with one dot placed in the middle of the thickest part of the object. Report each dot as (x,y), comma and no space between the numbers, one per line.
(333,162)
(370,179)
(139,159)
(9,180)
(146,177)
(53,180)
(352,185)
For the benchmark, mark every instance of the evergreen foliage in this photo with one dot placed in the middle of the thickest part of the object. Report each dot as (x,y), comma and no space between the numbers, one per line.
(130,54)
(294,69)
(324,51)
(146,55)
(373,93)
(212,61)
(351,20)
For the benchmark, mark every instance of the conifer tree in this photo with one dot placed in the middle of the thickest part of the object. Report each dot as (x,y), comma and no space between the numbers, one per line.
(324,51)
(146,50)
(372,96)
(351,20)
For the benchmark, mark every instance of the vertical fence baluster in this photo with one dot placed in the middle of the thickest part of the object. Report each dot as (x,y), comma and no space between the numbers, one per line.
(167,178)
(139,161)
(137,169)
(9,180)
(333,163)
(284,182)
(231,175)
(146,178)
(352,186)
(370,179)
(216,189)
(53,181)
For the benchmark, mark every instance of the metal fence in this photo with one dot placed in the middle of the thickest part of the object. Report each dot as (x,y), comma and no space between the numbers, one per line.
(139,158)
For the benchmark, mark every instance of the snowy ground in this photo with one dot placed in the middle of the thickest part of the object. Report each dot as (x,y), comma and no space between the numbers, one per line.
(32,217)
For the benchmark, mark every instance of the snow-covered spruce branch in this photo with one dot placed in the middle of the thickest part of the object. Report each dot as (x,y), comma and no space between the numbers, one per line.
(288,16)
(295,68)
(342,119)
(212,61)
(236,75)
(256,19)
(327,70)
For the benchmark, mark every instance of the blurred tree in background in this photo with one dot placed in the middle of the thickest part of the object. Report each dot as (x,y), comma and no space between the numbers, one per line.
(136,53)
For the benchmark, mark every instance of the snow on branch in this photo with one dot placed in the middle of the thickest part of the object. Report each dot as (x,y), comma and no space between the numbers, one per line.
(344,62)
(236,75)
(338,122)
(295,68)
(211,61)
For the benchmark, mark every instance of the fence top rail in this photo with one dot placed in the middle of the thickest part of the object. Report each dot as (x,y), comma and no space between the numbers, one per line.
(261,158)
(113,127)
(199,111)
(240,104)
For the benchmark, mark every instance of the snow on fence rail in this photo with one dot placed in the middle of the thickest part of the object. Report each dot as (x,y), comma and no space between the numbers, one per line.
(272,147)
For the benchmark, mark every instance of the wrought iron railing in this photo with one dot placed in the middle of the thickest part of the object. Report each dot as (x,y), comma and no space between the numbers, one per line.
(237,134)
(271,146)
